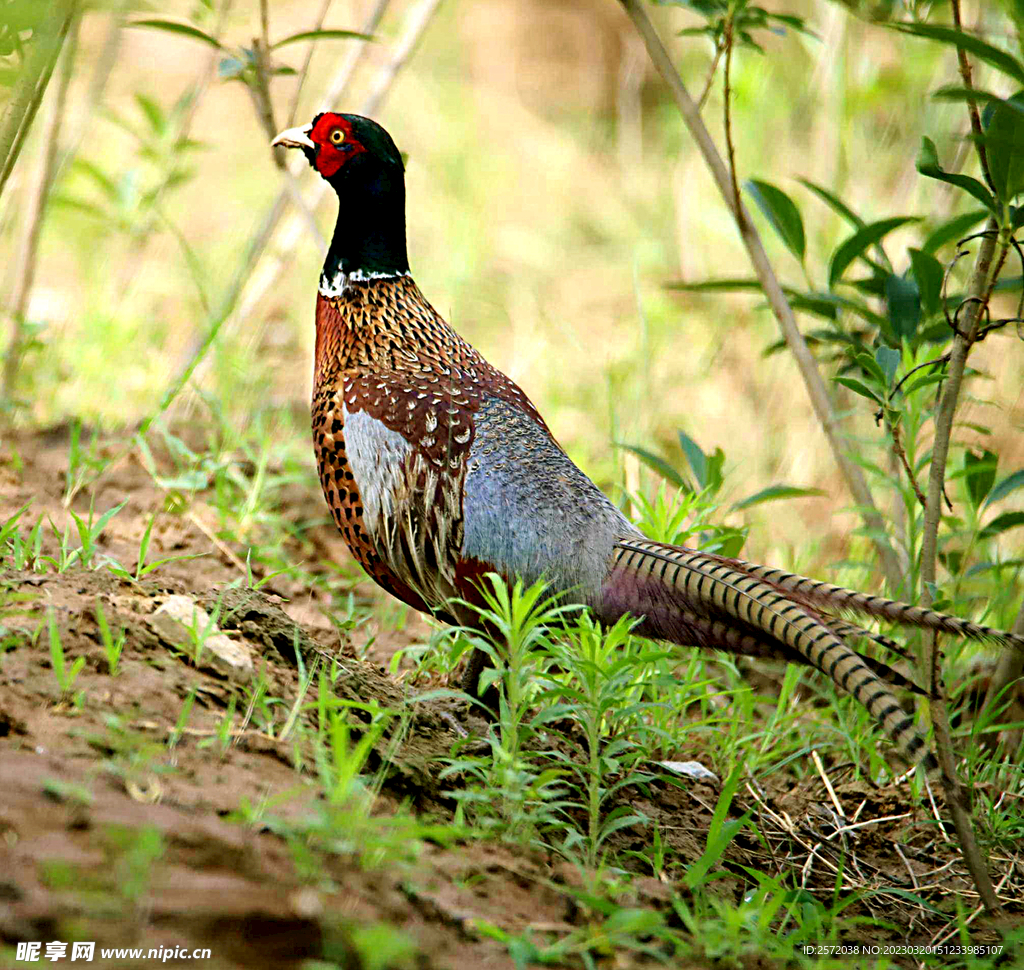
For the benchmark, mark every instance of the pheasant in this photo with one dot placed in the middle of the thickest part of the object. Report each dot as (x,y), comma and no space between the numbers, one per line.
(438,469)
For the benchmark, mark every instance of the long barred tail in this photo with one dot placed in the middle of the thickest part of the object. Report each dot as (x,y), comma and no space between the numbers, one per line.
(850,631)
(672,586)
(817,593)
(721,635)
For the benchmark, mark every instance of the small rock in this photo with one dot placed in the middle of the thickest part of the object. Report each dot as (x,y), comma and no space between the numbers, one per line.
(692,769)
(179,620)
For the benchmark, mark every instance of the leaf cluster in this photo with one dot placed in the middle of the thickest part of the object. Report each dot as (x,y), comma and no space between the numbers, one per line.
(738,19)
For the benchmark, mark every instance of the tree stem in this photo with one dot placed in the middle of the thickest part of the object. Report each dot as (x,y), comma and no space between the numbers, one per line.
(957,797)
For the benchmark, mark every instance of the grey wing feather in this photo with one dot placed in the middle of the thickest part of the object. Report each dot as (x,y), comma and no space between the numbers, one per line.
(530,512)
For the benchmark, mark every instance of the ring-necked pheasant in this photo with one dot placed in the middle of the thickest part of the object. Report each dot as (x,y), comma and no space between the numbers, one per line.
(438,469)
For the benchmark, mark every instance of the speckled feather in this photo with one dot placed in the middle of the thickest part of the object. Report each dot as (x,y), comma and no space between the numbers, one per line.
(382,351)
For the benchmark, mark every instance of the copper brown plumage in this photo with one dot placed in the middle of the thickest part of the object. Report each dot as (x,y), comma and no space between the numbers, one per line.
(381,350)
(438,469)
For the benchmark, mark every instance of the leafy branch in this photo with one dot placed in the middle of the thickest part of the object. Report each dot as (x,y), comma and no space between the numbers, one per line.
(769,284)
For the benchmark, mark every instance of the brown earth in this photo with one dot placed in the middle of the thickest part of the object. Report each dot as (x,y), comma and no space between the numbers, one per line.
(124,823)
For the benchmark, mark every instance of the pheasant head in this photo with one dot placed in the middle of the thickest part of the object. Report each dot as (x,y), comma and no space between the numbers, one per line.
(360,162)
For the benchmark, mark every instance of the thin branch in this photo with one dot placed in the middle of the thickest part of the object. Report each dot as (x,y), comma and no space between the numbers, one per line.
(261,284)
(191,98)
(28,93)
(79,120)
(972,104)
(304,73)
(964,336)
(978,290)
(261,239)
(415,25)
(35,210)
(737,206)
(944,359)
(702,100)
(897,447)
(259,91)
(265,24)
(773,292)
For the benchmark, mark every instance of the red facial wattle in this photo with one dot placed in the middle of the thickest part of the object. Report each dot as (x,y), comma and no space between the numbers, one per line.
(336,145)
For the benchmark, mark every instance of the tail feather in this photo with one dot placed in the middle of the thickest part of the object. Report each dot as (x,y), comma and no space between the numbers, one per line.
(672,586)
(719,635)
(817,593)
(850,631)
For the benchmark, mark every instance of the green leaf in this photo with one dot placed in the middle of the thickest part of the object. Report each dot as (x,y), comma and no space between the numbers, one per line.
(1004,141)
(230,68)
(715,477)
(856,245)
(173,27)
(816,304)
(773,493)
(834,203)
(714,286)
(928,274)
(728,543)
(711,32)
(658,464)
(953,92)
(101,522)
(325,34)
(695,456)
(904,303)
(103,181)
(918,382)
(871,366)
(153,112)
(928,164)
(10,525)
(852,306)
(858,387)
(953,229)
(781,212)
(1009,484)
(979,474)
(915,899)
(888,360)
(993,56)
(1001,523)
(144,544)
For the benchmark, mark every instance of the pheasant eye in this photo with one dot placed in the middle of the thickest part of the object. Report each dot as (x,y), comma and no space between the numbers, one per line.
(337,136)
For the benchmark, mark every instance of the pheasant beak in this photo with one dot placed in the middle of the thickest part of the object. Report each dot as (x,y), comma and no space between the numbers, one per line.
(295,138)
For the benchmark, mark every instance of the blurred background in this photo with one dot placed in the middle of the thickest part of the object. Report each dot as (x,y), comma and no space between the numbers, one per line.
(552,194)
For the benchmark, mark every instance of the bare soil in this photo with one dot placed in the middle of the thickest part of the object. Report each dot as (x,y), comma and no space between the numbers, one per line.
(122,826)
